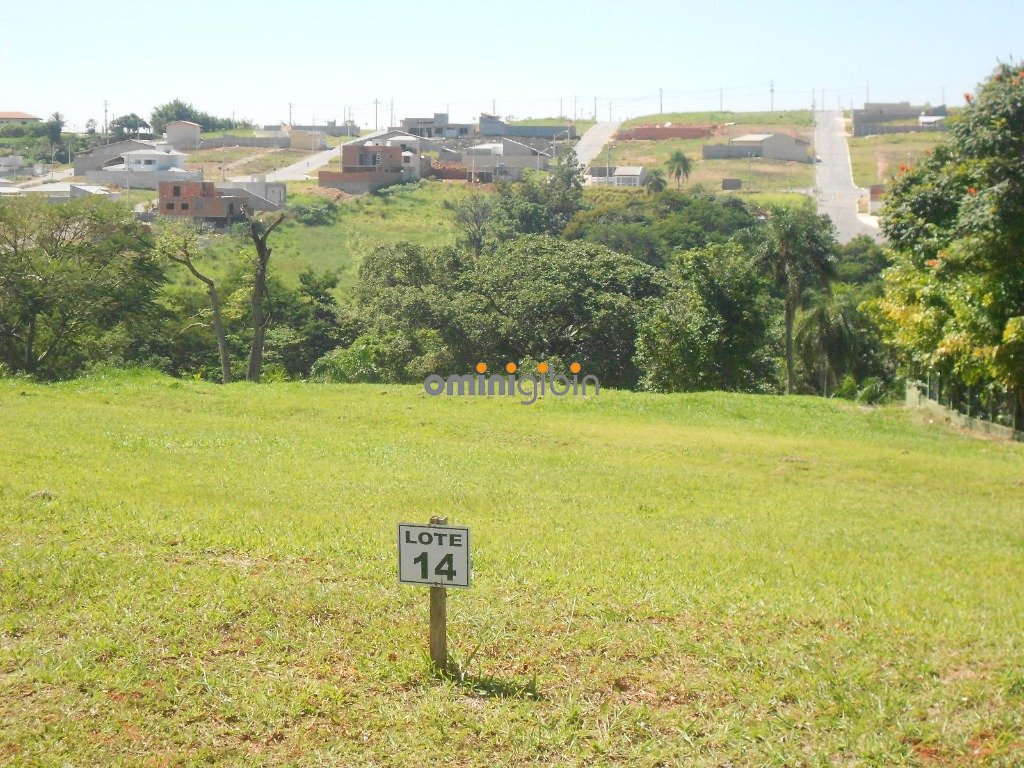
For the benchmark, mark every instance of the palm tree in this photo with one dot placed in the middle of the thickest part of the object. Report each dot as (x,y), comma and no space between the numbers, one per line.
(798,250)
(826,338)
(679,166)
(655,181)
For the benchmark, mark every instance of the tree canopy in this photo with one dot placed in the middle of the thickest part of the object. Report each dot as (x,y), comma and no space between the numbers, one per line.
(954,296)
(180,110)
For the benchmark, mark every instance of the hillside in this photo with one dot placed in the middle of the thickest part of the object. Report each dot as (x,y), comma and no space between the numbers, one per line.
(194,573)
(759,176)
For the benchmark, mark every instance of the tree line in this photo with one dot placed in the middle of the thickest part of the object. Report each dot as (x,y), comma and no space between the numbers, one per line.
(665,290)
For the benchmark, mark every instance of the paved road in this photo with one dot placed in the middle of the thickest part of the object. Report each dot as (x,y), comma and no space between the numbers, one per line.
(593,140)
(834,189)
(305,168)
(50,177)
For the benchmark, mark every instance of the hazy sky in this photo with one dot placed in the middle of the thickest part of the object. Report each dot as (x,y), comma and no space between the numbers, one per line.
(253,58)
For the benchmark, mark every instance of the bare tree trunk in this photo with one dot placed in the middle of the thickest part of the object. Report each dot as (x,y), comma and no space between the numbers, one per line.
(218,328)
(218,322)
(1018,408)
(791,302)
(259,289)
(259,322)
(30,342)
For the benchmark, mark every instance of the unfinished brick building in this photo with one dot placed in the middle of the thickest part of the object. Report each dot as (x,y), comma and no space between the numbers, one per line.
(200,200)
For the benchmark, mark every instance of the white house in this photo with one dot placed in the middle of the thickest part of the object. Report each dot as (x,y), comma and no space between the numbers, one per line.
(145,169)
(163,157)
(502,160)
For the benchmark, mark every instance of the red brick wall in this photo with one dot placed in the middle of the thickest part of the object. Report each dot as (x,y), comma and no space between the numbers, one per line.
(658,132)
(448,170)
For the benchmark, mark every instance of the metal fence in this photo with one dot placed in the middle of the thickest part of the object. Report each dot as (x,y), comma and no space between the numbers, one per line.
(989,408)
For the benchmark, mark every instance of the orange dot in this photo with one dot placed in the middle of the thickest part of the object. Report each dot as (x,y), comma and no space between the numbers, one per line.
(481,367)
(511,367)
(542,368)
(575,367)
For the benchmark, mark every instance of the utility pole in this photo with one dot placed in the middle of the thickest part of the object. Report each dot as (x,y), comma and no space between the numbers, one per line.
(772,90)
(943,95)
(289,114)
(595,109)
(813,105)
(104,117)
(559,108)
(494,109)
(375,103)
(392,113)
(721,99)
(661,102)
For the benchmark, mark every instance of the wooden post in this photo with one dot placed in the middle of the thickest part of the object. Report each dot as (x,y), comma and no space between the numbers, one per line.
(439,618)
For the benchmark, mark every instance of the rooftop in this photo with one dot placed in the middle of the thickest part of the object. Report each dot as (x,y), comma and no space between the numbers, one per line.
(17,116)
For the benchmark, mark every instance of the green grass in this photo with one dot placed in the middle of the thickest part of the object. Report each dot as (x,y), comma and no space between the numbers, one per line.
(195,574)
(581,125)
(759,175)
(271,161)
(412,213)
(796,117)
(877,158)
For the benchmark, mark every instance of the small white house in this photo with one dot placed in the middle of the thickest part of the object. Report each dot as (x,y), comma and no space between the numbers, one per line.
(182,134)
(162,158)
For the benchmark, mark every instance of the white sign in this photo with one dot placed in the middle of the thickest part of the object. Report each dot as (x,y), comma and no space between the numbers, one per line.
(433,555)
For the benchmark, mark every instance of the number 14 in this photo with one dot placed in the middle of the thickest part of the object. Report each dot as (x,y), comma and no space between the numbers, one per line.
(445,568)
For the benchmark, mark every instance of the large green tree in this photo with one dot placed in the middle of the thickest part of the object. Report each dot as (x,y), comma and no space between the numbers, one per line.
(797,247)
(713,329)
(954,297)
(69,273)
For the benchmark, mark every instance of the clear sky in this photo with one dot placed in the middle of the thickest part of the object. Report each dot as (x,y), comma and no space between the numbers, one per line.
(252,58)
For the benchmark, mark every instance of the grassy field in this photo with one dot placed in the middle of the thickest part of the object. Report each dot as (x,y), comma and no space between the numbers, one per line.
(582,126)
(757,175)
(876,158)
(222,161)
(412,213)
(271,161)
(194,574)
(779,119)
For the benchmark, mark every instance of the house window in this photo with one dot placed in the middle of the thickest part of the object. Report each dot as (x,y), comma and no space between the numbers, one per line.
(148,162)
(170,206)
(184,206)
(175,191)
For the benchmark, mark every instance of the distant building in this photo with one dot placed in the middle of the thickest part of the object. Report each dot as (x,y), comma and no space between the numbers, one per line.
(436,127)
(616,176)
(18,118)
(62,191)
(260,194)
(504,160)
(330,128)
(200,200)
(492,125)
(772,146)
(311,141)
(899,117)
(388,158)
(141,168)
(182,134)
(106,155)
